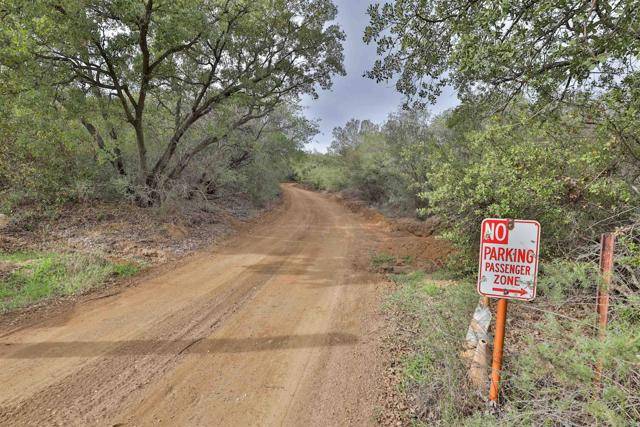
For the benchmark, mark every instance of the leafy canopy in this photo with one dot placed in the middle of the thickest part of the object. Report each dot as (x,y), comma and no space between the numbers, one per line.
(165,65)
(542,48)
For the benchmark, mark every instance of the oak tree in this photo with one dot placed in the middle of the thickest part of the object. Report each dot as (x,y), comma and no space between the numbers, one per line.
(181,60)
(504,49)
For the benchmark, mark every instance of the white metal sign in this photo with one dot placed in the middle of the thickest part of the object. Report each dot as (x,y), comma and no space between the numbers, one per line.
(509,258)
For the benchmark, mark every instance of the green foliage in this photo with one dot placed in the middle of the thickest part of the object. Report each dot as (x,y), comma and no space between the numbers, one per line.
(495,54)
(554,169)
(375,161)
(43,154)
(383,165)
(552,377)
(152,91)
(372,172)
(562,280)
(28,277)
(322,172)
(548,371)
(433,373)
(501,49)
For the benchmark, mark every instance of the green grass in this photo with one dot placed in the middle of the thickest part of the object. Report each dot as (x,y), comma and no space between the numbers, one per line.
(382,260)
(33,276)
(548,373)
(414,287)
(433,373)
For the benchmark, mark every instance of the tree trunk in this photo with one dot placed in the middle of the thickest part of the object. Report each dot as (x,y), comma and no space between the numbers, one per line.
(143,171)
(115,154)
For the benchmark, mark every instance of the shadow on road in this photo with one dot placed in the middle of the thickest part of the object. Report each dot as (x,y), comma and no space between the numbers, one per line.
(48,350)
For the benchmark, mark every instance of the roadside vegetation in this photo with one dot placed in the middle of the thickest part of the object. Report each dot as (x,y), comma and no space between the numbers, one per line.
(27,277)
(552,347)
(427,314)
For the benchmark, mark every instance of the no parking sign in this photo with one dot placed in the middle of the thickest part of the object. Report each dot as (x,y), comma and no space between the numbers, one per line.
(509,258)
(508,270)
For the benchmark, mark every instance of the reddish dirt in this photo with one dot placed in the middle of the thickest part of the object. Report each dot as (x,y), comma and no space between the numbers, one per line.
(410,241)
(279,326)
(124,232)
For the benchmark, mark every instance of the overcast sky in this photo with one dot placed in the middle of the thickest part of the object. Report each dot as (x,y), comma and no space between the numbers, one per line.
(354,96)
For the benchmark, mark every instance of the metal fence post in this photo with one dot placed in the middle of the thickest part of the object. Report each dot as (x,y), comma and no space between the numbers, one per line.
(607,242)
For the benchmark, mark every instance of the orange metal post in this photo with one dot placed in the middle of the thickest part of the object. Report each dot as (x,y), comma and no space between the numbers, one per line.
(607,242)
(498,344)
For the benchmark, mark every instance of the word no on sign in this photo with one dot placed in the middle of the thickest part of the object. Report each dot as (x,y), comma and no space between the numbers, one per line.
(509,258)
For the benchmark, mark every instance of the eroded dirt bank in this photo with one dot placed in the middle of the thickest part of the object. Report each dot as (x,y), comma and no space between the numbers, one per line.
(277,327)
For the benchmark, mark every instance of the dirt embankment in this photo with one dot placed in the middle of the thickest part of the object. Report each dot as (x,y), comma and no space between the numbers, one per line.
(413,243)
(125,232)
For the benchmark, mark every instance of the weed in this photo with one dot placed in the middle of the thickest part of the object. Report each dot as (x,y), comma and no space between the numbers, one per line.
(125,269)
(34,276)
(382,260)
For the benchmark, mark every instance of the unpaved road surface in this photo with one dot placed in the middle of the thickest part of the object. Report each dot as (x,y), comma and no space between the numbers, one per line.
(276,327)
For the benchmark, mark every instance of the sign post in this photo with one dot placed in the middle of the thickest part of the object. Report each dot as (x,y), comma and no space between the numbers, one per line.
(508,269)
(498,344)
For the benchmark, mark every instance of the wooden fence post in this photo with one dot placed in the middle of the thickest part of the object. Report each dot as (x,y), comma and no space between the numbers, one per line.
(607,242)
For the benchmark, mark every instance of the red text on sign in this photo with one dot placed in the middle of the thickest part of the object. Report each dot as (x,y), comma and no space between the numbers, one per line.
(509,254)
(499,279)
(524,270)
(495,231)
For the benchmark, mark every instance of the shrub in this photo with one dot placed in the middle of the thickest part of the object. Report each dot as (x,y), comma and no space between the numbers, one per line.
(322,172)
(554,170)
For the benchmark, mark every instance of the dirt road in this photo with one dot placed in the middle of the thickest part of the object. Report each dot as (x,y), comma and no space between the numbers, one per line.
(276,327)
